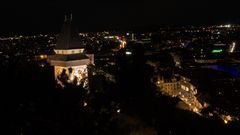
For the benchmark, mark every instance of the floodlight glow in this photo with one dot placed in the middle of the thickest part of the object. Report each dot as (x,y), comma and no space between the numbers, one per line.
(217,51)
(128,53)
(233,47)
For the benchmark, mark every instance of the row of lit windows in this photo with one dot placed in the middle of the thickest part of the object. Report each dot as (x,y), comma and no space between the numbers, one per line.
(70,51)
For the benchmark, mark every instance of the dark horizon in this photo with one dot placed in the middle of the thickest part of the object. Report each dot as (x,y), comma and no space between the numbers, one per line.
(43,16)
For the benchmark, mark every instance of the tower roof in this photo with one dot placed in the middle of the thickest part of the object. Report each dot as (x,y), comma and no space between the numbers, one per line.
(68,37)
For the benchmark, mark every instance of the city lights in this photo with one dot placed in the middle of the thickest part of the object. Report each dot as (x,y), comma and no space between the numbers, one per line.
(227,118)
(43,56)
(118,110)
(161,79)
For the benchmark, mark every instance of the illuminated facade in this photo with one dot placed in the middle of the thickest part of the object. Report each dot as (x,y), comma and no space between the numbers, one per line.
(168,86)
(70,61)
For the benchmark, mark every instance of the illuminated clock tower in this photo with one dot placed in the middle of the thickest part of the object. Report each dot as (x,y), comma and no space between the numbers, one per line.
(70,62)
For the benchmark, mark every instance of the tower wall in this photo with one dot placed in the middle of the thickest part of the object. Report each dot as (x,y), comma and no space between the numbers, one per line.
(72,75)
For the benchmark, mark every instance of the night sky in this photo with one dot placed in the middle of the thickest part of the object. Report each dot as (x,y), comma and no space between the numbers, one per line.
(92,15)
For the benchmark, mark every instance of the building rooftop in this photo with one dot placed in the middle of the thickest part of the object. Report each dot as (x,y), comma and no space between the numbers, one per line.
(68,37)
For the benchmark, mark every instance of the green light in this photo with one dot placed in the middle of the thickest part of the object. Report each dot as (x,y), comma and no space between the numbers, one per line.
(217,51)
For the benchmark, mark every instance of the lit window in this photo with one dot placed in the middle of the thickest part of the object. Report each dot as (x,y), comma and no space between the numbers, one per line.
(128,53)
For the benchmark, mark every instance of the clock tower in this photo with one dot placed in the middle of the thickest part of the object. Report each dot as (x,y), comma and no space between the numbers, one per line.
(70,61)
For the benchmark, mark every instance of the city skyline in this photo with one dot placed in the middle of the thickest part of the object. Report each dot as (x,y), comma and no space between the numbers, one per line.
(122,82)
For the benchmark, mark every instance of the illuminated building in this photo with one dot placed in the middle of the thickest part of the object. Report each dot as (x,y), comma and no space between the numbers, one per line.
(209,52)
(180,86)
(168,86)
(70,62)
(186,85)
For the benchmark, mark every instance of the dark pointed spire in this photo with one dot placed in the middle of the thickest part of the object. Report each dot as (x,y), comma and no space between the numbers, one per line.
(69,37)
(68,17)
